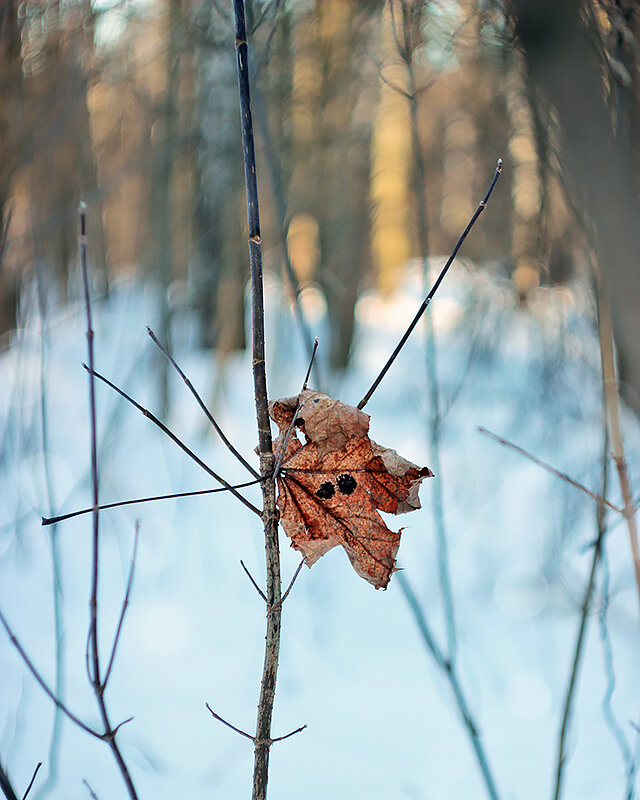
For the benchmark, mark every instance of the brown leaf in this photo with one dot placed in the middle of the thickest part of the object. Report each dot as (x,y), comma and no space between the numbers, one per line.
(330,487)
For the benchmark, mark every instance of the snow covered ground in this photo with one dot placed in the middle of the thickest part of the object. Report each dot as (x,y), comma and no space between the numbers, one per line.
(382,721)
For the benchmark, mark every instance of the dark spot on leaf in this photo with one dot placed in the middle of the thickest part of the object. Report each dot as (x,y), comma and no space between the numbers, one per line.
(325,491)
(346,483)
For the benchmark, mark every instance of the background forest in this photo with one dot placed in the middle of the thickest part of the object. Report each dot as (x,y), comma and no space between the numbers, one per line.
(378,127)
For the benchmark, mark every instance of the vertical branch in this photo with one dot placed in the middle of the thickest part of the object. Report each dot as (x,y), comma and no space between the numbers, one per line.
(281,207)
(582,628)
(406,47)
(5,785)
(162,180)
(450,671)
(605,330)
(93,650)
(54,745)
(607,709)
(269,514)
(95,517)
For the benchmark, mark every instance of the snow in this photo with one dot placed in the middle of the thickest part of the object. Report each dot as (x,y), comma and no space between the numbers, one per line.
(381,719)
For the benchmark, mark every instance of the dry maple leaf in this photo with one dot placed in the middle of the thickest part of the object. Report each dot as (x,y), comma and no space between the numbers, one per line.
(331,487)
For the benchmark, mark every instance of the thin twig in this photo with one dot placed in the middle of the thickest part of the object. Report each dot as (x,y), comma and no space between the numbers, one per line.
(605,331)
(288,735)
(406,48)
(299,405)
(606,706)
(262,738)
(175,439)
(293,580)
(55,742)
(202,405)
(255,585)
(228,724)
(95,675)
(95,560)
(425,304)
(125,604)
(5,785)
(582,628)
(394,86)
(93,795)
(270,8)
(248,735)
(281,208)
(31,782)
(562,475)
(450,671)
(172,496)
(314,350)
(50,694)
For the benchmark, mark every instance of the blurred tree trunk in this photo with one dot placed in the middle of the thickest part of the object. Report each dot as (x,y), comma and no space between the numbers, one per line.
(220,264)
(10,97)
(162,206)
(57,144)
(561,62)
(332,121)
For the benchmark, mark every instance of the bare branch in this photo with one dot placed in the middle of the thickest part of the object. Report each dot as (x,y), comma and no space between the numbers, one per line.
(92,794)
(5,785)
(125,604)
(265,447)
(178,441)
(395,87)
(283,448)
(582,628)
(32,669)
(293,580)
(94,656)
(273,168)
(606,706)
(562,475)
(93,602)
(313,355)
(200,402)
(172,496)
(228,724)
(451,674)
(31,782)
(425,304)
(255,585)
(612,405)
(406,49)
(287,735)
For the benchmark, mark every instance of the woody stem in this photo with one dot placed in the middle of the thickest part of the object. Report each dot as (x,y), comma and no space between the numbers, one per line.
(269,514)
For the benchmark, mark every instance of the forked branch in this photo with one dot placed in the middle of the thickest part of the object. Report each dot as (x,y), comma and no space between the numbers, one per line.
(95,674)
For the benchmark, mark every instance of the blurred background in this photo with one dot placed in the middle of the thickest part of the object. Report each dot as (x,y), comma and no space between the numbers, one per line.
(132,106)
(378,129)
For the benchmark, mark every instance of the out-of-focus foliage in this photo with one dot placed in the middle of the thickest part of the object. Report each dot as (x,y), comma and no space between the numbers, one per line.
(132,107)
